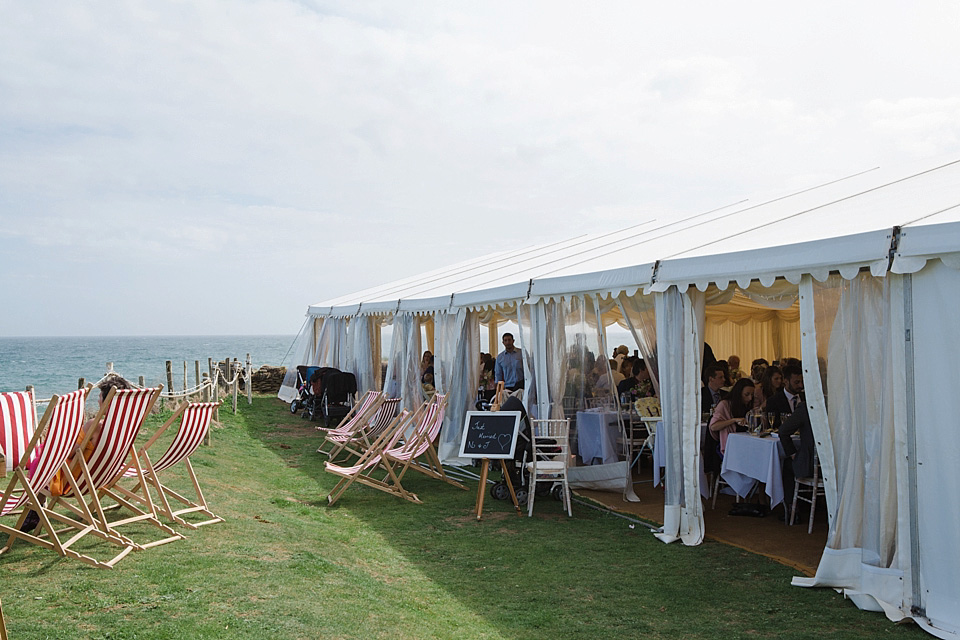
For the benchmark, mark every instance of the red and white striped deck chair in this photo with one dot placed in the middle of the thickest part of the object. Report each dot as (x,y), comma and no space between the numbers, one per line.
(363,438)
(194,423)
(370,459)
(397,457)
(126,410)
(58,431)
(358,415)
(18,421)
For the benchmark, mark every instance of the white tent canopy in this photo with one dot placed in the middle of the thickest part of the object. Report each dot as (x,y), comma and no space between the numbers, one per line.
(875,260)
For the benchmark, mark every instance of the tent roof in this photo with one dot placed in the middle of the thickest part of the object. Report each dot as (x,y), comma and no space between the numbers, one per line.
(843,225)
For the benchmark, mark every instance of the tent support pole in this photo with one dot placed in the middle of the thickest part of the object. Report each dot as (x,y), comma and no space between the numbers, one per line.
(916,605)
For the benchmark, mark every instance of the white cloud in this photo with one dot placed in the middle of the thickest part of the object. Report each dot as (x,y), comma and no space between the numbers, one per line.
(248,141)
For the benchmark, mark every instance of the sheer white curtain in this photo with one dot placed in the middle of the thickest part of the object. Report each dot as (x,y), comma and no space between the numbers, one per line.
(864,440)
(639,315)
(527,334)
(403,367)
(679,329)
(304,352)
(331,344)
(361,359)
(457,365)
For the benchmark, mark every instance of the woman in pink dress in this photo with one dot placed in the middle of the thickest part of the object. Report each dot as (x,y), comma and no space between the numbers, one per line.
(732,412)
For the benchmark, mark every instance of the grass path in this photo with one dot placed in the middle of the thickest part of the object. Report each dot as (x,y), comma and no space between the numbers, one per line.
(284,565)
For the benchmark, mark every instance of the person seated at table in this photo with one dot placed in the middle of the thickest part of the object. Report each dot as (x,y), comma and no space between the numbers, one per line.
(726,374)
(788,398)
(735,373)
(757,367)
(799,461)
(488,385)
(731,413)
(603,383)
(770,383)
(711,394)
(638,385)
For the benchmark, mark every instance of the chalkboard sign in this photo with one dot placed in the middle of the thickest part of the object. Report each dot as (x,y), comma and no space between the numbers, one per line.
(490,434)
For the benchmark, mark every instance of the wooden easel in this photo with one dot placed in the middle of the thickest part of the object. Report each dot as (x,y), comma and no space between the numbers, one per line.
(482,491)
(498,397)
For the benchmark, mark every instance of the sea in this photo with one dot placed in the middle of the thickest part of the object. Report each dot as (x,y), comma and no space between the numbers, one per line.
(55,364)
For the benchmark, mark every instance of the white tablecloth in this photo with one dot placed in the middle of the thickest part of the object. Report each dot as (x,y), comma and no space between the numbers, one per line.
(749,459)
(597,434)
(659,462)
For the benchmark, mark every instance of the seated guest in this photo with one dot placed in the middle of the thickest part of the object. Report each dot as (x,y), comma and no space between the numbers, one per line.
(757,367)
(731,413)
(711,394)
(488,384)
(770,383)
(786,400)
(638,385)
(798,462)
(735,373)
(603,383)
(726,374)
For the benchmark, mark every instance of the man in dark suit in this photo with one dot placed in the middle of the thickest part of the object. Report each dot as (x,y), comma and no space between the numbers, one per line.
(710,393)
(789,398)
(798,462)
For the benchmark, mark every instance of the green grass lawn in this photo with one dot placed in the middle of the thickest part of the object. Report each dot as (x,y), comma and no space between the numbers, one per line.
(284,565)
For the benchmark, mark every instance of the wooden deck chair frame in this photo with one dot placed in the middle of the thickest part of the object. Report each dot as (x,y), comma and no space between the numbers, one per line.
(58,430)
(370,458)
(418,455)
(368,433)
(114,454)
(361,415)
(3,624)
(395,461)
(359,407)
(194,423)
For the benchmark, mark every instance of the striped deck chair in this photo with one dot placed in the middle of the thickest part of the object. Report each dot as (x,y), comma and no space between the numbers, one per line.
(58,431)
(362,439)
(124,412)
(370,458)
(358,414)
(18,421)
(395,459)
(194,423)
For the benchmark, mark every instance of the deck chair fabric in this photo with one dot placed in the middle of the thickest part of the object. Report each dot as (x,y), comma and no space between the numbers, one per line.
(124,412)
(397,457)
(355,416)
(18,421)
(361,439)
(194,423)
(368,459)
(52,443)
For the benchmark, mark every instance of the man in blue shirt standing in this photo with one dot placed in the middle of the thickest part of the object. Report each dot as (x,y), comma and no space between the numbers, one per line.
(509,366)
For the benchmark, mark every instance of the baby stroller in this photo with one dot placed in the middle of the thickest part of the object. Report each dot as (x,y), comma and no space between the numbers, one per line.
(304,373)
(333,395)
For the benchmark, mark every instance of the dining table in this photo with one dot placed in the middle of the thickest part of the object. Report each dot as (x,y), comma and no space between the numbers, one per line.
(750,458)
(597,434)
(659,462)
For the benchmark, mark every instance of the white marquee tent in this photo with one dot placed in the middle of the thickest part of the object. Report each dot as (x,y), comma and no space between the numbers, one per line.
(869,263)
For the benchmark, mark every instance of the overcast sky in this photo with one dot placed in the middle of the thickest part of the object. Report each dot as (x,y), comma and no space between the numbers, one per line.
(213,167)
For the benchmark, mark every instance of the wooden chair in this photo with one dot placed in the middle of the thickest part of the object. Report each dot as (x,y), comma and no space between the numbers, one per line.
(123,414)
(357,414)
(397,457)
(551,456)
(362,438)
(3,625)
(58,431)
(18,422)
(813,487)
(194,423)
(370,459)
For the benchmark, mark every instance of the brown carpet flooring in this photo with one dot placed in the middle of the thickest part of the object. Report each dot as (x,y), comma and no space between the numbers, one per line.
(768,536)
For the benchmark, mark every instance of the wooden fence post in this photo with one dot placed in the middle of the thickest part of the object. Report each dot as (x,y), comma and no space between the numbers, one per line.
(196,372)
(170,380)
(249,379)
(184,376)
(141,382)
(81,383)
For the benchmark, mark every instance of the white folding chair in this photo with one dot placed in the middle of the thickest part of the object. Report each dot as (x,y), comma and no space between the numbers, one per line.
(813,487)
(551,455)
